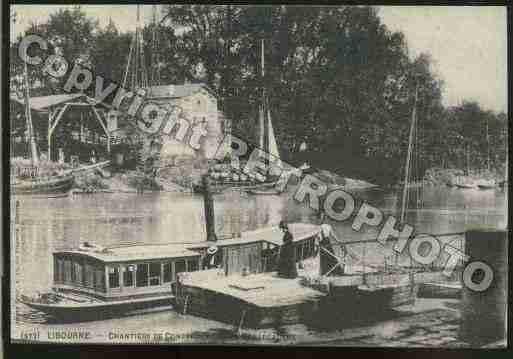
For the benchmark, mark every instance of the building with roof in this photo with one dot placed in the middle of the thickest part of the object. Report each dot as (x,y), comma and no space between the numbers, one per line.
(67,127)
(199,106)
(71,126)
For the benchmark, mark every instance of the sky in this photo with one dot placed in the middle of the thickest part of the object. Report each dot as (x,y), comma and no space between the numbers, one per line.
(468,44)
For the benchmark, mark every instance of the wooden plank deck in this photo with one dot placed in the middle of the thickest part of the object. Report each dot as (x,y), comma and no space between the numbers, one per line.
(263,290)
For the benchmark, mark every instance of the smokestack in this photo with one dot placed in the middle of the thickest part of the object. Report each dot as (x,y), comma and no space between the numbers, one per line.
(209,209)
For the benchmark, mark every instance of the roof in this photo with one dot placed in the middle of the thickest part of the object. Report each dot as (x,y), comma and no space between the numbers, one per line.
(272,235)
(176,91)
(43,102)
(136,252)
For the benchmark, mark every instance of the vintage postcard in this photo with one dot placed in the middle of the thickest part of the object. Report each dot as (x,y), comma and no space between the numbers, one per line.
(258,175)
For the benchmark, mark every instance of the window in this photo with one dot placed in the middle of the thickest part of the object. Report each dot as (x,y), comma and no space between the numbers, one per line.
(128,276)
(99,279)
(155,269)
(114,277)
(79,275)
(59,271)
(180,266)
(142,275)
(89,276)
(67,271)
(73,272)
(168,272)
(192,265)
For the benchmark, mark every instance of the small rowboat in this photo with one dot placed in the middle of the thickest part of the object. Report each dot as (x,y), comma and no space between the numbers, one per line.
(486,186)
(465,185)
(265,192)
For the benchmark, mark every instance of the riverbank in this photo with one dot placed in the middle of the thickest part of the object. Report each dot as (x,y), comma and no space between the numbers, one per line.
(125,182)
(180,179)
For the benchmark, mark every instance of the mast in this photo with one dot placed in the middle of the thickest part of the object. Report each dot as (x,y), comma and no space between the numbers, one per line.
(261,112)
(28,117)
(487,147)
(408,156)
(155,68)
(135,71)
(468,160)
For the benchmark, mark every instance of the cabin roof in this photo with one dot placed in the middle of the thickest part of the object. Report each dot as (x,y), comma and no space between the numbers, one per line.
(272,235)
(128,253)
(40,103)
(136,252)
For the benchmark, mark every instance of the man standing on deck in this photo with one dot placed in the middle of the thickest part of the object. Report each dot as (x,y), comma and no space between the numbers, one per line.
(287,261)
(212,258)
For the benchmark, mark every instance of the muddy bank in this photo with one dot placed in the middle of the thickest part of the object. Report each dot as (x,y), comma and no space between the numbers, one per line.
(126,182)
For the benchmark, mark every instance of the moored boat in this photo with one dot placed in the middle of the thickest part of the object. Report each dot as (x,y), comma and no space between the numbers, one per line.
(465,185)
(267,192)
(53,184)
(92,283)
(218,186)
(483,184)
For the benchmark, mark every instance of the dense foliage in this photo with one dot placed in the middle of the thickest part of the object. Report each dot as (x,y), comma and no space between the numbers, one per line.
(338,80)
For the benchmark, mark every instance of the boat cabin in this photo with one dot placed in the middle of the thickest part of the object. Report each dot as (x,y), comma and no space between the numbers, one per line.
(122,272)
(257,251)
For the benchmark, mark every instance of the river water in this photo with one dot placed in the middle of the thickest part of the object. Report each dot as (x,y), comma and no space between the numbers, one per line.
(46,225)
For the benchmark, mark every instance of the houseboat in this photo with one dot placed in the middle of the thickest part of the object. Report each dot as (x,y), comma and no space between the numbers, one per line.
(96,283)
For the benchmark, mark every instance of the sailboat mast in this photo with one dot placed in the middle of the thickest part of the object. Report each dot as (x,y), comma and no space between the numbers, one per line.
(468,160)
(487,147)
(408,156)
(261,111)
(28,117)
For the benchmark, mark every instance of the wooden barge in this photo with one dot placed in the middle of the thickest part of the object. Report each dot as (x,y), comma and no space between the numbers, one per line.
(246,292)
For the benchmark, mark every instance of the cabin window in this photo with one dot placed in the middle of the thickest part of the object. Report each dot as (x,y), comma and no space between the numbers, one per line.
(168,272)
(180,266)
(155,273)
(113,277)
(60,270)
(73,272)
(142,275)
(128,276)
(99,279)
(78,273)
(67,271)
(192,265)
(88,275)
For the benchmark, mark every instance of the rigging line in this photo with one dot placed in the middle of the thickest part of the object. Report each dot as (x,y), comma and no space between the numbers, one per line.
(128,63)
